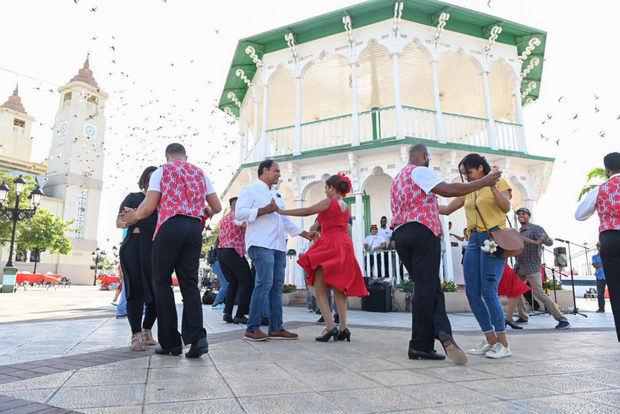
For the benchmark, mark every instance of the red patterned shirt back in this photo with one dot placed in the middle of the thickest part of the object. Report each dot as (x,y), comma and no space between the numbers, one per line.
(231,235)
(608,204)
(410,203)
(183,191)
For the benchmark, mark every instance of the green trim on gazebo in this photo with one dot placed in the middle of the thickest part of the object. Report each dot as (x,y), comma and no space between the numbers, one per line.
(385,142)
(426,12)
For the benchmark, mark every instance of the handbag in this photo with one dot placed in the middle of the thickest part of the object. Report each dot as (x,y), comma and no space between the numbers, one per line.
(509,240)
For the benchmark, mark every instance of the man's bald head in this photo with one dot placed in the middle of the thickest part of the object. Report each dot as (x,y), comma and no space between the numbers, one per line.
(419,155)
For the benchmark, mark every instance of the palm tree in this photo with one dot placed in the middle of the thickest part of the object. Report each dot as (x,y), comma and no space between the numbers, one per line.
(597,174)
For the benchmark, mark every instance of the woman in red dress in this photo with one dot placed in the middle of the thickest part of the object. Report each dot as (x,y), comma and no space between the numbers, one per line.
(511,286)
(331,262)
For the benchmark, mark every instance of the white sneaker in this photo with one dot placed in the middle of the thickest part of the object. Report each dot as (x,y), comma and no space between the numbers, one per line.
(498,351)
(481,349)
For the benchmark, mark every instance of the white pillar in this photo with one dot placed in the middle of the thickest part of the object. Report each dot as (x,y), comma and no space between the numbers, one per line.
(298,138)
(358,231)
(438,113)
(299,274)
(400,133)
(257,134)
(519,110)
(246,143)
(354,113)
(448,273)
(242,137)
(266,143)
(487,103)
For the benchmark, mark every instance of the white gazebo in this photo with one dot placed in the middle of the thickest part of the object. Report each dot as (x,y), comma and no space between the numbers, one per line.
(350,90)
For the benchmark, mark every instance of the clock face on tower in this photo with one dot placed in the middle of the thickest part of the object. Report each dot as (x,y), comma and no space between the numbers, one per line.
(90,130)
(62,128)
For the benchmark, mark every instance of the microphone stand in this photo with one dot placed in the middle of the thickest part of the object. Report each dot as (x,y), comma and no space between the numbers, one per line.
(572,280)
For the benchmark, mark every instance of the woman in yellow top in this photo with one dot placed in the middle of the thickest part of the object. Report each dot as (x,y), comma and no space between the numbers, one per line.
(483,270)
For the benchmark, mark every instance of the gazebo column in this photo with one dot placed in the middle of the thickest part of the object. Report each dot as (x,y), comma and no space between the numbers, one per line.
(243,146)
(266,143)
(358,241)
(487,103)
(519,111)
(438,114)
(448,272)
(400,132)
(298,137)
(354,112)
(256,132)
(298,272)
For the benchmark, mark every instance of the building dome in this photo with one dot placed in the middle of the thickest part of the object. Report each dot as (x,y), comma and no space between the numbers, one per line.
(15,102)
(85,75)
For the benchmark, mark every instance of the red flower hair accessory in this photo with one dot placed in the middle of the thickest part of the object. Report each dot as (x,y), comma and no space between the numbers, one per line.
(345,178)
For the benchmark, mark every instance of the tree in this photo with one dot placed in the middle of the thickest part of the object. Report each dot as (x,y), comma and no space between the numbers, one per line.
(208,241)
(595,177)
(6,226)
(44,232)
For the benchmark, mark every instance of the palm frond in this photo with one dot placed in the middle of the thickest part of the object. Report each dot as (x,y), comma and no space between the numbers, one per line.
(597,173)
(585,190)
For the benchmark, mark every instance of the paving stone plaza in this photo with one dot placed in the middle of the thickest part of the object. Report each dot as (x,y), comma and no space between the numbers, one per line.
(64,351)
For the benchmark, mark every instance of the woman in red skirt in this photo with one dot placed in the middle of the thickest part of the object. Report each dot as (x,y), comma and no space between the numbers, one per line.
(512,287)
(331,262)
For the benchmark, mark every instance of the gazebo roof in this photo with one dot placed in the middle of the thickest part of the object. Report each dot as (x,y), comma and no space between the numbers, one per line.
(426,12)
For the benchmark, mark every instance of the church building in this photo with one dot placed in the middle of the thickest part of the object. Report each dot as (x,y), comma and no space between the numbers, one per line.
(72,176)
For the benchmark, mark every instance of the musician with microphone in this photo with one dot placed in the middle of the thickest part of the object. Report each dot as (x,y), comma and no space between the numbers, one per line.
(528,266)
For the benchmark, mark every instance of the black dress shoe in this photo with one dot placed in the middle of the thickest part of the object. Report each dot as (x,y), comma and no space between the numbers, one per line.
(177,350)
(327,335)
(264,321)
(513,325)
(197,349)
(414,354)
(451,349)
(227,318)
(240,320)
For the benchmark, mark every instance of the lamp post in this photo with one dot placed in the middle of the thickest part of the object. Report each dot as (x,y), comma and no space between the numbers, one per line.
(98,256)
(14,215)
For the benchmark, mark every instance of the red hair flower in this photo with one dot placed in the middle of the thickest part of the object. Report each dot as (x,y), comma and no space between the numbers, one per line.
(345,178)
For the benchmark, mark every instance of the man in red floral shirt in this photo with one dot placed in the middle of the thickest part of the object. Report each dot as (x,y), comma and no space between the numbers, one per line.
(178,190)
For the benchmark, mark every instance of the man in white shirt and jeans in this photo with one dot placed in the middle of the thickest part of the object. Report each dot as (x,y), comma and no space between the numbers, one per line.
(265,240)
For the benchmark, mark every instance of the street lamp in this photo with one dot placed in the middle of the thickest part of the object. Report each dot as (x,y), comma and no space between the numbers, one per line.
(98,256)
(15,214)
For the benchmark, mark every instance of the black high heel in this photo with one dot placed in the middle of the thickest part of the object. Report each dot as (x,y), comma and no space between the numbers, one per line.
(328,335)
(513,325)
(346,334)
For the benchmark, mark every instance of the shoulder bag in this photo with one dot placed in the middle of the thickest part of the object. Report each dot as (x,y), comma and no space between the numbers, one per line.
(509,240)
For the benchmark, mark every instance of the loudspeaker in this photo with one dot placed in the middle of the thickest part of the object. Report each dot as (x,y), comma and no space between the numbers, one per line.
(379,298)
(559,257)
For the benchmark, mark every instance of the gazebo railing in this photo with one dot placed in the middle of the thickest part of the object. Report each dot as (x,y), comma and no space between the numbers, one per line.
(380,123)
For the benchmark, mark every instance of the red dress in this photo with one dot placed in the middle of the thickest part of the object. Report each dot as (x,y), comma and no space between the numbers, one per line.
(334,253)
(511,285)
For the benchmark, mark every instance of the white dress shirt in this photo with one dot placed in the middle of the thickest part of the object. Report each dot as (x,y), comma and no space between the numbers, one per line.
(588,206)
(269,230)
(374,241)
(386,233)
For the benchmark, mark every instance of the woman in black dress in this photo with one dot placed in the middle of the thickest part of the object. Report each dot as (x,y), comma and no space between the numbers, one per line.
(135,259)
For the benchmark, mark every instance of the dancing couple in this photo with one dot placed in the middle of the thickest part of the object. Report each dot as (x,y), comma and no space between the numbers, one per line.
(329,263)
(177,191)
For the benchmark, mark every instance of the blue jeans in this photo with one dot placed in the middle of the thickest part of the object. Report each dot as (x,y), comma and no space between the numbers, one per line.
(270,265)
(221,294)
(482,275)
(121,310)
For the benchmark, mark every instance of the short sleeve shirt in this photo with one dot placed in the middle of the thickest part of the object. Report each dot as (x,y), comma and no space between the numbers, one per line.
(374,241)
(155,182)
(425,178)
(598,272)
(484,199)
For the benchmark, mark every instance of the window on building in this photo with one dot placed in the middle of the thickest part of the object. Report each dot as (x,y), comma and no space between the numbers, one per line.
(19,123)
(81,216)
(67,99)
(92,99)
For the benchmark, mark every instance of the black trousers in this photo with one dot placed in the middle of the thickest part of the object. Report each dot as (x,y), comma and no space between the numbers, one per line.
(600,290)
(420,251)
(237,272)
(177,248)
(136,277)
(610,256)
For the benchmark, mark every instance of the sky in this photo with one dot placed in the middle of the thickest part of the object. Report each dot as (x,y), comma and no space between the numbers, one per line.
(164,64)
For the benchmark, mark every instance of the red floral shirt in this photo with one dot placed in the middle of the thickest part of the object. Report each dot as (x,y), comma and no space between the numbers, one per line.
(231,234)
(410,203)
(183,191)
(608,204)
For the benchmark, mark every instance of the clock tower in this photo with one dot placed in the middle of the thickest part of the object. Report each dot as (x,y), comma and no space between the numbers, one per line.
(75,162)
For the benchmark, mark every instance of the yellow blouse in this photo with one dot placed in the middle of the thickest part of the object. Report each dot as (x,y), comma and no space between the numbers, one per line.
(493,215)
